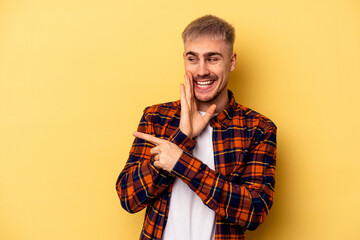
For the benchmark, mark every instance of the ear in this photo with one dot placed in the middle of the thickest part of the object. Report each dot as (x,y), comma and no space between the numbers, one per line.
(232,62)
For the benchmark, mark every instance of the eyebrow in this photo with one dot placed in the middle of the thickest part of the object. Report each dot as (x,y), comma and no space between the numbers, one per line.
(213,53)
(191,53)
(208,54)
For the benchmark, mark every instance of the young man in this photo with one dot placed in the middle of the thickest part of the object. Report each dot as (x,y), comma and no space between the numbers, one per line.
(204,166)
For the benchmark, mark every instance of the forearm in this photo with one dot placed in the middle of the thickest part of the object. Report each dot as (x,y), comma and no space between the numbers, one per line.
(230,200)
(140,183)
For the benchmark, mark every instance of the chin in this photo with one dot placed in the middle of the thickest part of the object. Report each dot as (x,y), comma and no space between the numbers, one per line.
(206,98)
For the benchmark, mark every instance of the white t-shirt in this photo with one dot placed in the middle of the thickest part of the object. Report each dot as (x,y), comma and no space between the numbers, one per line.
(189,218)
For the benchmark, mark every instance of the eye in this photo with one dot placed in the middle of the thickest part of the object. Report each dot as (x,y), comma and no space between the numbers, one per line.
(192,59)
(213,59)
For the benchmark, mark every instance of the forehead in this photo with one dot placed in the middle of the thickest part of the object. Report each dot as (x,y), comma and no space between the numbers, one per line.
(205,45)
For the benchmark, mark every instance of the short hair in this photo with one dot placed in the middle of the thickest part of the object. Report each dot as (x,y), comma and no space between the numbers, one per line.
(209,26)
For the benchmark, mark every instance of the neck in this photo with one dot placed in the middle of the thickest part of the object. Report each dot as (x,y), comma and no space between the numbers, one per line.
(221,102)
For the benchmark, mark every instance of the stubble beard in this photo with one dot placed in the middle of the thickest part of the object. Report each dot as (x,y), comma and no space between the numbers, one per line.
(209,99)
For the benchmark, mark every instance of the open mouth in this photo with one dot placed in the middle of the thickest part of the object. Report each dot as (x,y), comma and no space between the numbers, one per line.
(203,85)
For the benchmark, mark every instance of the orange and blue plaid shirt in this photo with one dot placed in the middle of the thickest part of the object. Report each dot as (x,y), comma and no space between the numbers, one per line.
(240,190)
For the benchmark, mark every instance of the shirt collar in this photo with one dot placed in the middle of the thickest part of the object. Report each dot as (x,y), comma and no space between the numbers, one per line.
(224,117)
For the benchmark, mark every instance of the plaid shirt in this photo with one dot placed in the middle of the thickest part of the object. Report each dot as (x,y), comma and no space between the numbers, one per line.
(240,190)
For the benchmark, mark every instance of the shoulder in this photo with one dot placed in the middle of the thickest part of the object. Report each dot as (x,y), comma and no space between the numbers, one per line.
(163,110)
(254,119)
(256,126)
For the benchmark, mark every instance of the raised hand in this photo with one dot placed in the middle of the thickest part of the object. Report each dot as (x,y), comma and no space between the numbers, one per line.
(165,152)
(191,122)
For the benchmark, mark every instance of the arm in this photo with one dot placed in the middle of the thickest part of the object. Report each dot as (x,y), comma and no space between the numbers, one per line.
(245,202)
(140,182)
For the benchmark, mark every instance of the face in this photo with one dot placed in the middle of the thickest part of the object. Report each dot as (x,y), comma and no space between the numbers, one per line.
(209,61)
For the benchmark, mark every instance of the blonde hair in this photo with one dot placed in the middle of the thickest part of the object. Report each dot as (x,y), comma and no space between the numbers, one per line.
(210,26)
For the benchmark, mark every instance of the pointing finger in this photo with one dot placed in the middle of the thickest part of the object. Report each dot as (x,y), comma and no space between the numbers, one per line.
(148,137)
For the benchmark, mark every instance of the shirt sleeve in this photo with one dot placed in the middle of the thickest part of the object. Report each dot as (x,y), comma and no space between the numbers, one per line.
(140,182)
(245,202)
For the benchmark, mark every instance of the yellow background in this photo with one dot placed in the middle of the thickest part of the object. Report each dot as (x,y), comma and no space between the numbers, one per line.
(76,75)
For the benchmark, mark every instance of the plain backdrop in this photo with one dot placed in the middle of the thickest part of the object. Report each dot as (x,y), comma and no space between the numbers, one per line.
(76,75)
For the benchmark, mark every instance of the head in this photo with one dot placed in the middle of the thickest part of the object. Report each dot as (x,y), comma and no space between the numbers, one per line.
(211,27)
(208,56)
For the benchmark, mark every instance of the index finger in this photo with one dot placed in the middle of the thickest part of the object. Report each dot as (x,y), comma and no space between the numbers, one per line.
(187,87)
(183,100)
(148,137)
(191,81)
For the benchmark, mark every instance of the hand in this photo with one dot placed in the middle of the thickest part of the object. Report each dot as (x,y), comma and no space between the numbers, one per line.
(166,153)
(191,122)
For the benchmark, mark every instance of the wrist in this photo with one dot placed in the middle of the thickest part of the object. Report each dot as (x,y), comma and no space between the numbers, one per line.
(182,140)
(187,133)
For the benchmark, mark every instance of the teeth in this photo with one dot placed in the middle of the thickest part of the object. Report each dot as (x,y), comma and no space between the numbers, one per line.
(205,83)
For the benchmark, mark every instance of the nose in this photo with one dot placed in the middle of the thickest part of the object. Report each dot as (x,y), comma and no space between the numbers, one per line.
(203,69)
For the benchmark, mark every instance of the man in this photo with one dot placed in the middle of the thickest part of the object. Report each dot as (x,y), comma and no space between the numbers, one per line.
(203,166)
